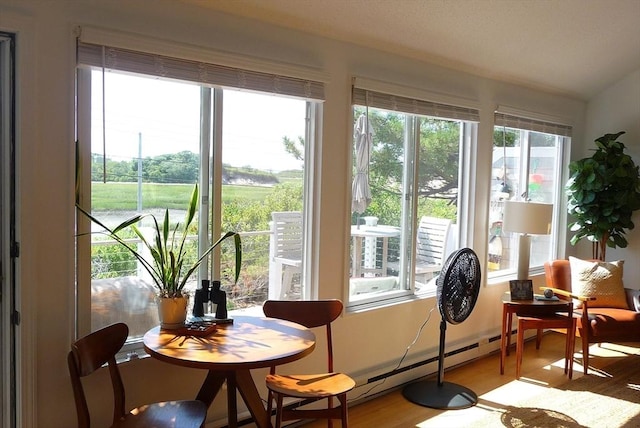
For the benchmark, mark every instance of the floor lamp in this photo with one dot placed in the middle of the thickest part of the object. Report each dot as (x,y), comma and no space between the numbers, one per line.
(526,218)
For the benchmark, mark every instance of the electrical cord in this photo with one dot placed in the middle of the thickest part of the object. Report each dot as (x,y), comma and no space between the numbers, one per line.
(406,352)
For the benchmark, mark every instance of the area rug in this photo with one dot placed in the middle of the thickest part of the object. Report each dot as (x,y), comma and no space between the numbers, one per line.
(608,398)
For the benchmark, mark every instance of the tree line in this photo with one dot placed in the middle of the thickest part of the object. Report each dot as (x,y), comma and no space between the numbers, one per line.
(182,167)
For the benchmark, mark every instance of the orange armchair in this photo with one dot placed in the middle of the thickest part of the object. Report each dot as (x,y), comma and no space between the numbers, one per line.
(595,324)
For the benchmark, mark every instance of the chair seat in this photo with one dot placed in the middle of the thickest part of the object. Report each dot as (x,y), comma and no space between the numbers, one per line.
(310,385)
(614,324)
(189,415)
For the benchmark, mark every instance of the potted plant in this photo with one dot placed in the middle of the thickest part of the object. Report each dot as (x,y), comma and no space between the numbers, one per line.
(603,192)
(168,266)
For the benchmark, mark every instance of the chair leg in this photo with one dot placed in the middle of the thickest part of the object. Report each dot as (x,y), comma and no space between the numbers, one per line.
(344,411)
(567,352)
(572,334)
(287,280)
(585,353)
(538,338)
(509,328)
(269,403)
(275,280)
(519,348)
(278,410)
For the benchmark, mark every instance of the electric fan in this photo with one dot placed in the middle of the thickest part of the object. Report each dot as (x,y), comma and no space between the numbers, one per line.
(458,286)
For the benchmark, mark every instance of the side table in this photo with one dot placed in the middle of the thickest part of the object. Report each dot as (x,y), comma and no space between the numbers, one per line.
(536,314)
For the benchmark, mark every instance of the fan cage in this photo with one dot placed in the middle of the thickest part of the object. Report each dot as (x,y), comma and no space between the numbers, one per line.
(458,285)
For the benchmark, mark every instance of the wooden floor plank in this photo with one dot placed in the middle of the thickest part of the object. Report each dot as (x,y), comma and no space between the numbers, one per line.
(539,367)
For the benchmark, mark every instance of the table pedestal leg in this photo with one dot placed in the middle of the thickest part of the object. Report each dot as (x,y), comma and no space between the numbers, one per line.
(252,399)
(241,381)
(232,405)
(211,386)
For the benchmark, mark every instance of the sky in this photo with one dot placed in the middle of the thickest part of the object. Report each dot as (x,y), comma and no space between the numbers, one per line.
(163,117)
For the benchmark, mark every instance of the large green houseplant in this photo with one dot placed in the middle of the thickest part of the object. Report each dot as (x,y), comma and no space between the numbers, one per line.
(603,192)
(169,268)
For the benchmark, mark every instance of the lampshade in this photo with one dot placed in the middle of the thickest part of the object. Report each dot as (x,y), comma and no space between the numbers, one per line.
(527,217)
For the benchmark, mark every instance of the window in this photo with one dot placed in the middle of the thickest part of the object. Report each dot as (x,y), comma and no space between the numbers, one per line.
(406,192)
(145,140)
(526,164)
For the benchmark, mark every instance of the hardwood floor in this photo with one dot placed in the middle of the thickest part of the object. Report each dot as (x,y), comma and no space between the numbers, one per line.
(540,368)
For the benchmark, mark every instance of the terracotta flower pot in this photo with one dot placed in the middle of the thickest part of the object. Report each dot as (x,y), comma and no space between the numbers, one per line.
(172,311)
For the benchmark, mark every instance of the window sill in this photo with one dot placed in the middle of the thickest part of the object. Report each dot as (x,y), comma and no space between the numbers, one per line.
(385,303)
(504,278)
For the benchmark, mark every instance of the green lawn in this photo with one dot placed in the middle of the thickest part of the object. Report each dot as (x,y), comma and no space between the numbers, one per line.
(124,196)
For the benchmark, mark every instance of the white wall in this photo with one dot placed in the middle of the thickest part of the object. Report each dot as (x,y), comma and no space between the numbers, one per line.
(368,343)
(618,109)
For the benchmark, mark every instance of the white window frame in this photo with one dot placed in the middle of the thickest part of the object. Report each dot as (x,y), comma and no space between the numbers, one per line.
(296,81)
(414,104)
(525,123)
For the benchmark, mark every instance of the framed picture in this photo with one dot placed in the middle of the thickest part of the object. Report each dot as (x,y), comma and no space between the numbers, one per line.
(521,289)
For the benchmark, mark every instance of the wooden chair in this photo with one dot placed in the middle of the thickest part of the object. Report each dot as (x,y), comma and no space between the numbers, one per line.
(309,387)
(90,353)
(595,324)
(431,245)
(285,252)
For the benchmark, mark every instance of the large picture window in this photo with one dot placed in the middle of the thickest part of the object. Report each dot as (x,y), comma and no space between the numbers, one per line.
(526,165)
(406,192)
(145,141)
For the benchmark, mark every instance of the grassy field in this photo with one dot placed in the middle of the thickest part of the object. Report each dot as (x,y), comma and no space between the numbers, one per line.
(124,196)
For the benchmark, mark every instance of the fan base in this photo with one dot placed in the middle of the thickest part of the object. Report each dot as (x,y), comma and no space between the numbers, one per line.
(446,395)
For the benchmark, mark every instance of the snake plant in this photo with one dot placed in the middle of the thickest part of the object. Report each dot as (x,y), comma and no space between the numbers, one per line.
(168,266)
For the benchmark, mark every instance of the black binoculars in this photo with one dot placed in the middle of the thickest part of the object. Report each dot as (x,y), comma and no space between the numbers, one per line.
(211,294)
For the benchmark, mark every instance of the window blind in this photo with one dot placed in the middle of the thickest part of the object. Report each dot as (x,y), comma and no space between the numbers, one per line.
(502,119)
(114,58)
(366,97)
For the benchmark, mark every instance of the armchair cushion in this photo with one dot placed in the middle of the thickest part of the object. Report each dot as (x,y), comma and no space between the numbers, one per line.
(602,280)
(614,324)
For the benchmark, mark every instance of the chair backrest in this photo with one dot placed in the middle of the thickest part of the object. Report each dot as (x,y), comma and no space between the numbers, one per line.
(89,354)
(558,274)
(309,313)
(432,238)
(287,233)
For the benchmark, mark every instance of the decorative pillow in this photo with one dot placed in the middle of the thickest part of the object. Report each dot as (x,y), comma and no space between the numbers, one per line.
(602,280)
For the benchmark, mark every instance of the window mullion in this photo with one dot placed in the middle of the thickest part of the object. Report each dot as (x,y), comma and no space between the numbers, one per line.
(205,150)
(215,199)
(410,190)
(525,157)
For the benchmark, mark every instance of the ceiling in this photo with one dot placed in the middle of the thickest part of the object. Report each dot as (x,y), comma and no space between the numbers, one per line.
(571,47)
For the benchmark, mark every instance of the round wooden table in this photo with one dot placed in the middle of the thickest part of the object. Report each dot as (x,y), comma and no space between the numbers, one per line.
(230,353)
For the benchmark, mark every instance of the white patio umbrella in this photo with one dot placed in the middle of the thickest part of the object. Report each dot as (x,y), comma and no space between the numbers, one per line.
(360,191)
